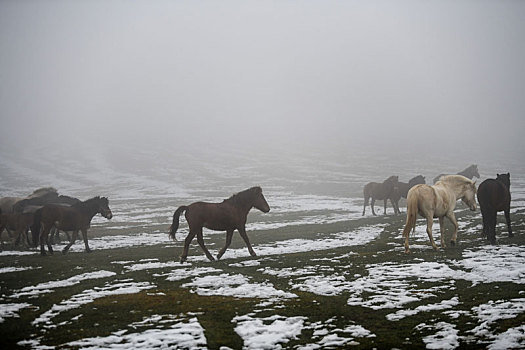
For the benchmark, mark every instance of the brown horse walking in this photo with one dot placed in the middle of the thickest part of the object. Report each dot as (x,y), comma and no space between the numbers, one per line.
(74,218)
(494,196)
(382,191)
(227,216)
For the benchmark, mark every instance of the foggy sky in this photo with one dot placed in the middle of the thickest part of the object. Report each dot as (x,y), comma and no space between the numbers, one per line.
(421,75)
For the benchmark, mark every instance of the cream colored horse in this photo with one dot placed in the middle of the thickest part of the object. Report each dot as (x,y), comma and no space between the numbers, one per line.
(438,201)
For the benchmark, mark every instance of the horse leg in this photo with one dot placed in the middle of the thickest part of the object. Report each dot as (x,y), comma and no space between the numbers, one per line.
(395,204)
(492,221)
(229,235)
(71,242)
(84,236)
(367,198)
(507,217)
(44,239)
(200,240)
(187,242)
(242,232)
(18,234)
(450,215)
(384,203)
(372,205)
(484,216)
(1,231)
(430,222)
(442,231)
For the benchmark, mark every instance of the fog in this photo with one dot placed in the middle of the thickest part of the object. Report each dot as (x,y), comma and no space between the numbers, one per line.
(410,77)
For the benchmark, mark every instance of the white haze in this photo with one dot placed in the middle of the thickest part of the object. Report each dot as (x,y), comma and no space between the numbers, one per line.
(417,78)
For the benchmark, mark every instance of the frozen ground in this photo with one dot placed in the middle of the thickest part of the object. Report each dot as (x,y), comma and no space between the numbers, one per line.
(324,276)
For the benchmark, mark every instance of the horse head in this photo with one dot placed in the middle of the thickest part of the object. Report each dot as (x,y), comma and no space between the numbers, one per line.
(259,201)
(505,178)
(474,170)
(469,196)
(103,207)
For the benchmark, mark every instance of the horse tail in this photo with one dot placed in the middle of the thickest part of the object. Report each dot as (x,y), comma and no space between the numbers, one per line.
(412,203)
(175,224)
(35,227)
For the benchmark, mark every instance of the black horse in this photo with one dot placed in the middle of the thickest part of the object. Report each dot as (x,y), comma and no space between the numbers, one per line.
(31,205)
(70,218)
(401,190)
(494,196)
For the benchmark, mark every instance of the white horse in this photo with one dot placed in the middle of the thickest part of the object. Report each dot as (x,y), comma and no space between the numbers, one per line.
(438,201)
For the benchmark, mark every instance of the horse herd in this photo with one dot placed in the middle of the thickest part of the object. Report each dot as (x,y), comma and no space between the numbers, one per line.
(46,212)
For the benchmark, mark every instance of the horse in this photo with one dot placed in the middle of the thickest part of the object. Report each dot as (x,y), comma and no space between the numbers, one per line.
(7,204)
(19,223)
(438,201)
(226,216)
(401,190)
(494,196)
(31,205)
(382,191)
(469,172)
(74,218)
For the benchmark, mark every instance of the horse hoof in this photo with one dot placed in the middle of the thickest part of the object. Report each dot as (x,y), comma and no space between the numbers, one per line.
(453,243)
(182,260)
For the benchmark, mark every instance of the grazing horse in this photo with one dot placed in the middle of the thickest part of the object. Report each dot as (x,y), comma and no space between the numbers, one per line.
(226,216)
(19,223)
(494,196)
(438,201)
(470,172)
(74,218)
(401,190)
(382,191)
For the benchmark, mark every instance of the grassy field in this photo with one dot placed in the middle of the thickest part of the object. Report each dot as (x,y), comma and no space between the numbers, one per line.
(365,295)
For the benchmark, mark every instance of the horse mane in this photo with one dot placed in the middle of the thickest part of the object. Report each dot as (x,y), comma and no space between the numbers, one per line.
(90,202)
(456,180)
(393,179)
(245,197)
(43,191)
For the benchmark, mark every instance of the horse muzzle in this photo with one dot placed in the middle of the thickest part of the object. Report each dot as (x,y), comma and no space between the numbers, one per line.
(108,215)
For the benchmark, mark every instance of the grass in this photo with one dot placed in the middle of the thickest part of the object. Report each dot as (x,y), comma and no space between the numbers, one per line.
(215,313)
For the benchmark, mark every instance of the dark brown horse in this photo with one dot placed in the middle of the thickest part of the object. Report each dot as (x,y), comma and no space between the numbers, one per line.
(469,172)
(401,190)
(74,218)
(494,196)
(18,223)
(227,216)
(379,191)
(31,205)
